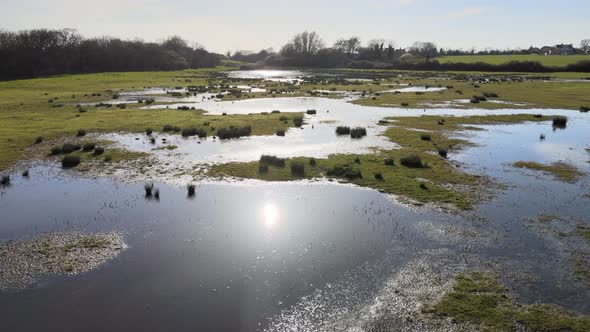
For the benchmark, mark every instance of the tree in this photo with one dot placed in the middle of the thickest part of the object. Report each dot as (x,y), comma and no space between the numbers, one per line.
(303,44)
(426,50)
(585,46)
(348,46)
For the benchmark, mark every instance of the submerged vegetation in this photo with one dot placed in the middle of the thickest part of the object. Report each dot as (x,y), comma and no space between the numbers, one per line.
(559,170)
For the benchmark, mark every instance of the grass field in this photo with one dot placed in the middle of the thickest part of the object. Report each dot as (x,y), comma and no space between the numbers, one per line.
(547,60)
(26,113)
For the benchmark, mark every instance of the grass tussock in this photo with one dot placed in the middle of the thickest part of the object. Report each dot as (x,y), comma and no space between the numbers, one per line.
(189,132)
(5,180)
(234,132)
(413,161)
(70,161)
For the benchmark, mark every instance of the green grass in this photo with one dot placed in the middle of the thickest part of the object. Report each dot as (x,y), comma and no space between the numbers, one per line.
(536,94)
(479,299)
(559,170)
(547,60)
(440,176)
(25,113)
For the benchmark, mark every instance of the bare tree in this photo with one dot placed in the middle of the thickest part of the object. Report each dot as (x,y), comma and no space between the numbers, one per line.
(585,46)
(303,44)
(348,46)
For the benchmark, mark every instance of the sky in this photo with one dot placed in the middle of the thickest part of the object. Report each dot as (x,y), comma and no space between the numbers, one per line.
(230,25)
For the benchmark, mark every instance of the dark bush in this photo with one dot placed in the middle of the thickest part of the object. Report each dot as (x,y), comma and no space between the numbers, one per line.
(490,95)
(70,161)
(312,162)
(345,172)
(149,131)
(98,151)
(5,180)
(311,112)
(425,137)
(272,161)
(405,104)
(389,162)
(443,152)
(56,150)
(262,168)
(280,132)
(26,173)
(538,116)
(187,132)
(378,176)
(559,122)
(69,148)
(584,109)
(38,140)
(342,130)
(234,132)
(149,188)
(81,132)
(157,194)
(297,169)
(283,118)
(358,132)
(153,140)
(423,186)
(412,161)
(191,190)
(298,121)
(474,100)
(87,147)
(357,160)
(168,128)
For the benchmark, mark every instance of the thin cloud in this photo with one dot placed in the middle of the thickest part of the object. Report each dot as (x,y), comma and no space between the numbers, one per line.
(468,11)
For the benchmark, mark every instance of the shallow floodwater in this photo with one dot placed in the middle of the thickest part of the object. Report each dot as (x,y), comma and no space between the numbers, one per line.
(304,256)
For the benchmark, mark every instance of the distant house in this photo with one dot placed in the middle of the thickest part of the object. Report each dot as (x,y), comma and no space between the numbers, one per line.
(565,49)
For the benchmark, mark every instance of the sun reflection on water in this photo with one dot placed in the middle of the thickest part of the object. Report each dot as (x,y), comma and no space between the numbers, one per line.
(271,215)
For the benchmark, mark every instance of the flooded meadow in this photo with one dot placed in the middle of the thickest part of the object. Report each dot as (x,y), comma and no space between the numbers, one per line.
(310,253)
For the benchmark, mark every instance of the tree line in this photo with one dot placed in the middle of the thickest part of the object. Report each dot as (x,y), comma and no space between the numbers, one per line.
(43,52)
(307,49)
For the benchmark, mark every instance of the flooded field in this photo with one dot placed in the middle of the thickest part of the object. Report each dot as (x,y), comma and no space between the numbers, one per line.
(312,254)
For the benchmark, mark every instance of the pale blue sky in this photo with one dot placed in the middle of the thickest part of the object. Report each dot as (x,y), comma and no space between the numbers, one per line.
(222,25)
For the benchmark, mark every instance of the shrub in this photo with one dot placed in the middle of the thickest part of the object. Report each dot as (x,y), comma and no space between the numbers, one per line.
(538,116)
(405,104)
(108,159)
(81,132)
(441,122)
(153,140)
(474,100)
(443,152)
(311,112)
(191,190)
(297,169)
(271,160)
(275,112)
(157,194)
(490,95)
(56,150)
(342,130)
(345,171)
(38,140)
(149,188)
(168,128)
(87,147)
(412,161)
(5,180)
(70,161)
(378,176)
(425,137)
(26,173)
(98,151)
(312,162)
(262,168)
(358,132)
(187,132)
(234,132)
(357,160)
(388,162)
(423,186)
(283,118)
(480,98)
(298,121)
(280,132)
(69,148)
(584,109)
(149,131)
(559,122)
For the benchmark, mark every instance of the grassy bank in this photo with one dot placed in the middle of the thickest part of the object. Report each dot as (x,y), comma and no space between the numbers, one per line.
(559,170)
(479,299)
